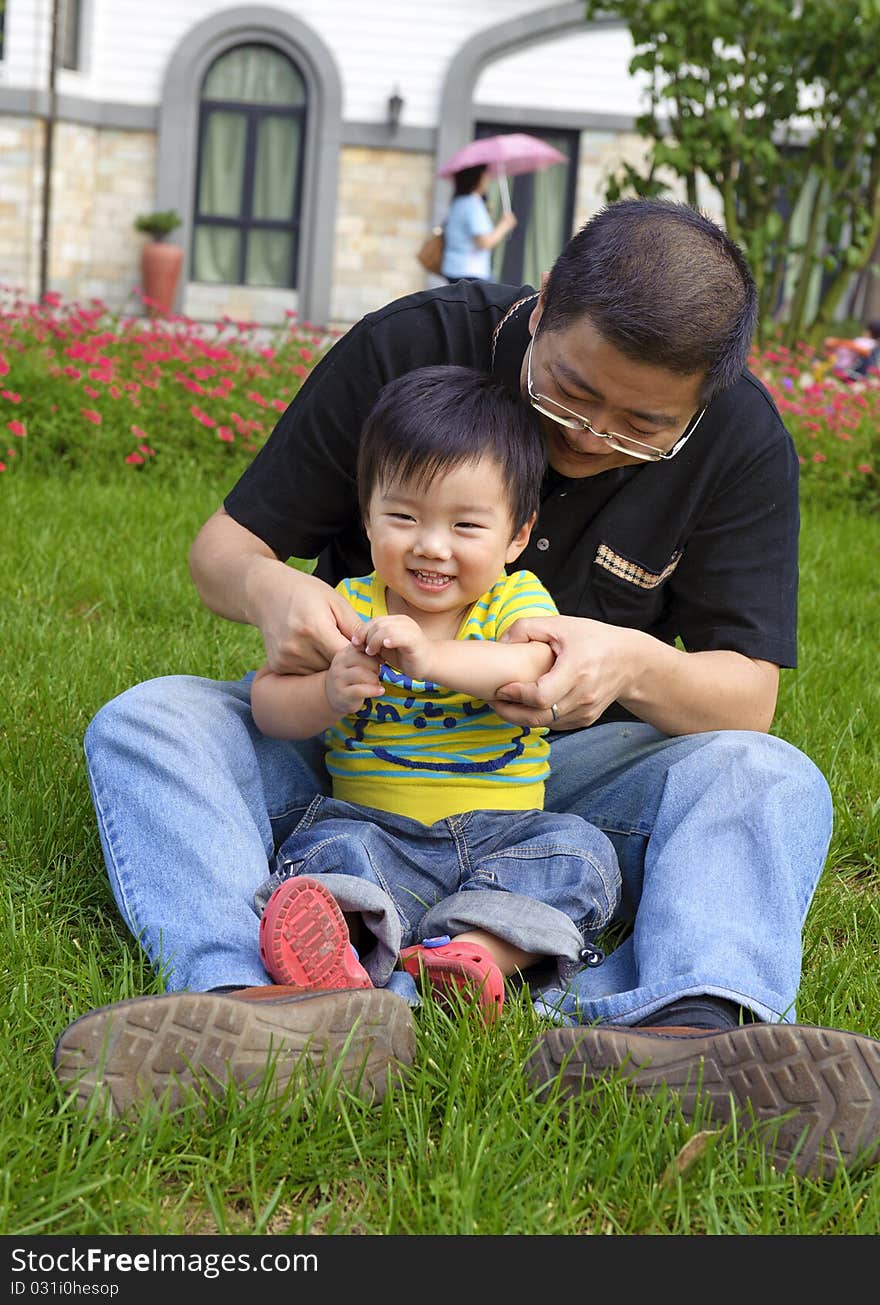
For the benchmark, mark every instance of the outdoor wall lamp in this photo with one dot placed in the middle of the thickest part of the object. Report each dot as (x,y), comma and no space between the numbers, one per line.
(395,108)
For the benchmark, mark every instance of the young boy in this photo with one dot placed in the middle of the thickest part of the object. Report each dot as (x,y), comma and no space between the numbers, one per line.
(434,844)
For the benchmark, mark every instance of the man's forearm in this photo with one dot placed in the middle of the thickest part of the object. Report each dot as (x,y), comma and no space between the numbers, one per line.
(228,564)
(687,693)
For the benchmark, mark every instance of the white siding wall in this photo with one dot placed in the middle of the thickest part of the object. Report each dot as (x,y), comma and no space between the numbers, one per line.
(377,44)
(580,72)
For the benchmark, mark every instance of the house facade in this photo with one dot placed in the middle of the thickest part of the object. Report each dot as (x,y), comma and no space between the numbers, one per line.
(298,141)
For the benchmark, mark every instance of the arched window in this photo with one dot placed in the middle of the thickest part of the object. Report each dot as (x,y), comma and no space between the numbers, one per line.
(252,117)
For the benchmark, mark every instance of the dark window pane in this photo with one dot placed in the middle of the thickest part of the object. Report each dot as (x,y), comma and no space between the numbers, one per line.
(276,168)
(270,258)
(215,254)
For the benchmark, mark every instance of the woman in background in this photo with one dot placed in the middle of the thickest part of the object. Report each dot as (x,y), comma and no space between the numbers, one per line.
(469,233)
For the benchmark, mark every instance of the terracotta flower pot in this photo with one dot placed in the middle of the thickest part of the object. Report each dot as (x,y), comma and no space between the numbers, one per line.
(160,274)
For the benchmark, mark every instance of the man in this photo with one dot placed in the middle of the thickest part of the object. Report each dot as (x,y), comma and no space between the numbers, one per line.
(668,537)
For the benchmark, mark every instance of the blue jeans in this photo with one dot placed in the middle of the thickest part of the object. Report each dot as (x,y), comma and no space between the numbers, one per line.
(720,838)
(545,882)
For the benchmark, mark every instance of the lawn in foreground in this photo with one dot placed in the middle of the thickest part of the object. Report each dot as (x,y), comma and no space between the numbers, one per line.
(96,596)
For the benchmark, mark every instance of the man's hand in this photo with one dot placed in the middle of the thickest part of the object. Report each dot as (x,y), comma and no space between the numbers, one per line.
(303,621)
(397,640)
(352,677)
(677,692)
(588,674)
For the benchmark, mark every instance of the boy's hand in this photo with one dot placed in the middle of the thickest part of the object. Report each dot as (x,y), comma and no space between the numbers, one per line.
(399,636)
(351,678)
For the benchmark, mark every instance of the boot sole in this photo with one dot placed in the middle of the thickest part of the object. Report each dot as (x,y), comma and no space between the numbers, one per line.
(170,1047)
(813,1093)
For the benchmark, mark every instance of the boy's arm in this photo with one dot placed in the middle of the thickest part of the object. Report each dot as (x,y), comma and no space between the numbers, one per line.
(301,706)
(476,667)
(479,667)
(291,706)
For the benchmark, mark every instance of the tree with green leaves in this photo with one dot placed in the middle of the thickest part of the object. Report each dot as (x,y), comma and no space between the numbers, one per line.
(776,103)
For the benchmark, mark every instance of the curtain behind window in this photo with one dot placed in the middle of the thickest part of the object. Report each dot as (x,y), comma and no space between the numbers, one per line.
(249,168)
(270,253)
(216,249)
(545,229)
(255,74)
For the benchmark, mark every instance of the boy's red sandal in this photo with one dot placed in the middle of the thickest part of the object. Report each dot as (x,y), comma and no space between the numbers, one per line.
(444,965)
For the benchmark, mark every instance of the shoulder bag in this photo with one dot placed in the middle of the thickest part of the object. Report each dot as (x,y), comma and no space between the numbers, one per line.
(430,254)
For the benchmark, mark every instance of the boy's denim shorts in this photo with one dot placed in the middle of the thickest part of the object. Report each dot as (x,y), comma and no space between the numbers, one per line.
(543,881)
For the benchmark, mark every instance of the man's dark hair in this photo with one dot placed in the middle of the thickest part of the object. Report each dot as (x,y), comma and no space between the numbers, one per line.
(467,179)
(436,418)
(662,283)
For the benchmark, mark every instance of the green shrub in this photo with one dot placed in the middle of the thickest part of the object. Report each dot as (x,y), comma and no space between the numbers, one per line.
(158,225)
(82,387)
(835,422)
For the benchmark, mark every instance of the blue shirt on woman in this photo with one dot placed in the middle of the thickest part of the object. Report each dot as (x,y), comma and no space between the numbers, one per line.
(468,217)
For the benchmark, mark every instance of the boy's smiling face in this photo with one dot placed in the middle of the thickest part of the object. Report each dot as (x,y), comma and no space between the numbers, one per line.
(439,545)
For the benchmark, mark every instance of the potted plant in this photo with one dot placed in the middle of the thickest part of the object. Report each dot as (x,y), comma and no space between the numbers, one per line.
(160,261)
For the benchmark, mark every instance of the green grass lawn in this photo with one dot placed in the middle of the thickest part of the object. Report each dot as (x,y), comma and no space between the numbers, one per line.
(96,596)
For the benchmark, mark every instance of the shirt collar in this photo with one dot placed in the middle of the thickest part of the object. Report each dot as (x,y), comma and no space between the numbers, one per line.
(510,339)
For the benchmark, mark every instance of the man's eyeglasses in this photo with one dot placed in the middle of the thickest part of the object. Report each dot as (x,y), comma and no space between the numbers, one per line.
(621,443)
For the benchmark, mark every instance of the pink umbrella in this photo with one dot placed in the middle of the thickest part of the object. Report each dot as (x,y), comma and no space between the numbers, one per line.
(507,155)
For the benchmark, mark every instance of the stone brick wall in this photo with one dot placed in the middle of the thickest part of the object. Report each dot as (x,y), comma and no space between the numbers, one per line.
(21,172)
(101,180)
(601,155)
(382,216)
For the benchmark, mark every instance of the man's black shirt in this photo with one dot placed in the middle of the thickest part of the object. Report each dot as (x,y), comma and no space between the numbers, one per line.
(702,547)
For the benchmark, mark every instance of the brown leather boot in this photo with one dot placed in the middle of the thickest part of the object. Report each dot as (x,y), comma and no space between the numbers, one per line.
(813,1092)
(176,1044)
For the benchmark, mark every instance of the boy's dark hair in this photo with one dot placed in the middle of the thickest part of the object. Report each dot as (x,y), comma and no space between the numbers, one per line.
(467,179)
(436,418)
(663,284)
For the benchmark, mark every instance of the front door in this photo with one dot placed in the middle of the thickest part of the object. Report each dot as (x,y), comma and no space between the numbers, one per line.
(544,206)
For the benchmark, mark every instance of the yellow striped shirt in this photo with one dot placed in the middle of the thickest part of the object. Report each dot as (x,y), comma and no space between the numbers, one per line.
(427,752)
